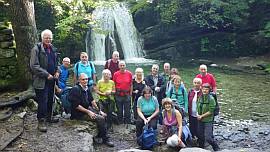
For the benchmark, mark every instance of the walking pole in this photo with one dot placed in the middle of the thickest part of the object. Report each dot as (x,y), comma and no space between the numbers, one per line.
(53,103)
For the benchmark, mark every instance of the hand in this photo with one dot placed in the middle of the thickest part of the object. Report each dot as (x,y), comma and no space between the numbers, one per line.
(50,77)
(157,89)
(91,114)
(102,113)
(145,121)
(148,119)
(199,117)
(108,93)
(179,140)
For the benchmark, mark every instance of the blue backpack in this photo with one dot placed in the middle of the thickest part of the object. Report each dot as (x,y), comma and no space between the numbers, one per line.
(148,138)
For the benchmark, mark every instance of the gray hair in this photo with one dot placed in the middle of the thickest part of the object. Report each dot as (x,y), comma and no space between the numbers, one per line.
(47,31)
(115,52)
(122,62)
(197,80)
(155,65)
(83,74)
(203,66)
(106,71)
(139,70)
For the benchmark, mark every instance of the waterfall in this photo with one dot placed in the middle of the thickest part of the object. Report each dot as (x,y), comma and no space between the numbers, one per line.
(114,30)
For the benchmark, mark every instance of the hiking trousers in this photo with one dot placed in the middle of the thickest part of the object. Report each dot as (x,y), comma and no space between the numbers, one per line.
(193,125)
(123,104)
(205,133)
(45,100)
(101,124)
(107,106)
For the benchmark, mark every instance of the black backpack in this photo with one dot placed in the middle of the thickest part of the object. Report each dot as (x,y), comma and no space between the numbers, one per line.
(217,108)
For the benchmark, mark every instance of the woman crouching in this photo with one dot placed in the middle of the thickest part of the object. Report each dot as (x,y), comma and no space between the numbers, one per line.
(172,124)
(147,109)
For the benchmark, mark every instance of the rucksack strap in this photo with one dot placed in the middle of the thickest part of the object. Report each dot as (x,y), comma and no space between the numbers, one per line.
(176,94)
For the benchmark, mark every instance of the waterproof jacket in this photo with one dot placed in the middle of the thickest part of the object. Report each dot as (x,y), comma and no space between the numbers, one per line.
(39,65)
(206,103)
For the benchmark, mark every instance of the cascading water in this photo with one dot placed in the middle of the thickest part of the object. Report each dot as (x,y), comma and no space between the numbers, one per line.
(114,30)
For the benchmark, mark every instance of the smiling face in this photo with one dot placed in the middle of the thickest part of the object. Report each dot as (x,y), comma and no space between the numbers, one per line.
(166,68)
(203,69)
(155,69)
(147,95)
(122,66)
(205,90)
(167,106)
(83,79)
(47,38)
(115,56)
(197,82)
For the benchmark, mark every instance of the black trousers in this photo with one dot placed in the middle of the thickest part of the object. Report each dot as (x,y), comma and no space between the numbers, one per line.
(140,124)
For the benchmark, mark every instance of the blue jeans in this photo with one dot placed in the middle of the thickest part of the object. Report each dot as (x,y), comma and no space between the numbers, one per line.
(123,104)
(45,100)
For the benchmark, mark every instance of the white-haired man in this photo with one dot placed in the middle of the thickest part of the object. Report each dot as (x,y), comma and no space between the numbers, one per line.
(43,63)
(207,78)
(112,64)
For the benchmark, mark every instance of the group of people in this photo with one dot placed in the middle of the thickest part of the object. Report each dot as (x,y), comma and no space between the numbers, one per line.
(158,98)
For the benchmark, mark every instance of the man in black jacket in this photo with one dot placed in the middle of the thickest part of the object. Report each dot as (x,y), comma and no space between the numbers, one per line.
(84,107)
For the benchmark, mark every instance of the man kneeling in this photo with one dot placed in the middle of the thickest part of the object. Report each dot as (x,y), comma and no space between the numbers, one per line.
(84,107)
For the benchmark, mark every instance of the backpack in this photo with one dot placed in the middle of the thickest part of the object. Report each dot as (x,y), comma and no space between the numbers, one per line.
(171,93)
(66,104)
(148,138)
(217,108)
(39,50)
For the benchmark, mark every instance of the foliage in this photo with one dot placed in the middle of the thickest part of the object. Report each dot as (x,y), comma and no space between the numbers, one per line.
(206,13)
(266,31)
(138,5)
(168,10)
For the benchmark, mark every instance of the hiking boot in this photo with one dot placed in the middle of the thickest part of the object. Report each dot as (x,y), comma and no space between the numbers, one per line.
(52,120)
(215,147)
(97,140)
(108,143)
(42,126)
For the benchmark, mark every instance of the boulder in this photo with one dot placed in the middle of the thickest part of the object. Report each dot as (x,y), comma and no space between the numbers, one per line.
(194,149)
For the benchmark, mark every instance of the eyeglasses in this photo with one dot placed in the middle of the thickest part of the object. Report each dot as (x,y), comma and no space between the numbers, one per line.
(47,38)
(84,79)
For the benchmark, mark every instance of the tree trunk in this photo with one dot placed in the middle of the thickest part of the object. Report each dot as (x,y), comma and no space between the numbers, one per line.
(22,16)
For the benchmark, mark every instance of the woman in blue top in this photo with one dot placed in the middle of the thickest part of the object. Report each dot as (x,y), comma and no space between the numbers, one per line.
(147,109)
(178,94)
